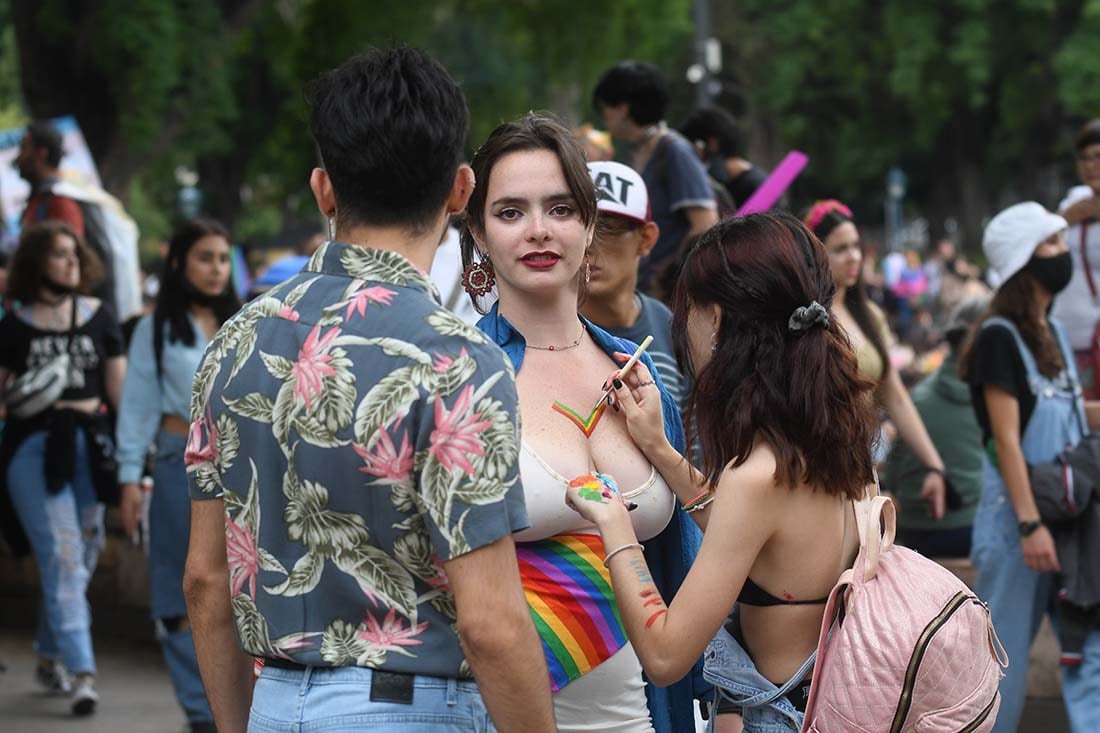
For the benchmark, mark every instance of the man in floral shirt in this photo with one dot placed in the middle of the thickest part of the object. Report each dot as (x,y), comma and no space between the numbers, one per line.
(353,454)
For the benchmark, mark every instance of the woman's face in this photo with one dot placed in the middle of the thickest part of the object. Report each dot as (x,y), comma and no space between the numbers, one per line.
(207,266)
(1052,246)
(533,234)
(845,256)
(63,263)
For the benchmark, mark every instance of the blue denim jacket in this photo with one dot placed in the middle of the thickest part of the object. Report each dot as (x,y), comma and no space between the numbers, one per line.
(670,554)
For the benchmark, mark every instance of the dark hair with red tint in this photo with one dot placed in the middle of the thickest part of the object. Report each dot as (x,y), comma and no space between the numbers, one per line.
(800,391)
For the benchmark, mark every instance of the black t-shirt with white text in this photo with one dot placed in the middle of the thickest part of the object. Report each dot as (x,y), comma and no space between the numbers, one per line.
(24,347)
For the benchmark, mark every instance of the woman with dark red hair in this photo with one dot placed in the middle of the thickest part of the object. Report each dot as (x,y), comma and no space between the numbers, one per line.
(785,423)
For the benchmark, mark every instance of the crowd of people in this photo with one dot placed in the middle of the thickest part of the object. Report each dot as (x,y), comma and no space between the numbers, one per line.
(347,527)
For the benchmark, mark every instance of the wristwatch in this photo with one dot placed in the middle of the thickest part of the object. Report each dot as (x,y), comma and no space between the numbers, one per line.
(1028,528)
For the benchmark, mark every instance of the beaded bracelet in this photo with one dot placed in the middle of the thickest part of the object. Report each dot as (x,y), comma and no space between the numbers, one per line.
(617,550)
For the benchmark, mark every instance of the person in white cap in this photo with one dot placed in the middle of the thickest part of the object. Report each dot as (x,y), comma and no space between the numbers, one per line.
(625,234)
(1028,402)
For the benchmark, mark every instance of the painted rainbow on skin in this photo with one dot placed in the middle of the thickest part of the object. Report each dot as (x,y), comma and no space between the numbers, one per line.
(586,425)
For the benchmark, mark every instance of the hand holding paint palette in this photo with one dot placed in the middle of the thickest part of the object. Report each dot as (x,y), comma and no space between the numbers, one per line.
(588,424)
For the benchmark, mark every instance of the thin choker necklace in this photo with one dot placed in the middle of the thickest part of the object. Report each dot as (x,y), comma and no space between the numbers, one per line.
(551,347)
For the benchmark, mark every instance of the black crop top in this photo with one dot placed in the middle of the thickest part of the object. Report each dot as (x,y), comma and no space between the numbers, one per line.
(753,595)
(24,347)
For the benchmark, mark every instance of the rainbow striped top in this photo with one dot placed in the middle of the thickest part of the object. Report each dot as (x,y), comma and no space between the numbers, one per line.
(573,606)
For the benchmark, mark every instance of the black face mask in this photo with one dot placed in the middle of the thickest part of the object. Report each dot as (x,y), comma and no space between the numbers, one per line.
(198,297)
(57,288)
(1053,273)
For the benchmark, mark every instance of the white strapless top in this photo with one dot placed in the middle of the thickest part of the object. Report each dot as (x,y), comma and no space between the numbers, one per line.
(544,493)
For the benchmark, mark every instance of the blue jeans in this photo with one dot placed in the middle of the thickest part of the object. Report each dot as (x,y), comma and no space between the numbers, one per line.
(337,700)
(65,531)
(169,530)
(766,709)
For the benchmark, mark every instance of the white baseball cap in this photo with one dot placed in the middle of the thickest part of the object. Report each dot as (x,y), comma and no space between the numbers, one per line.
(620,190)
(1012,236)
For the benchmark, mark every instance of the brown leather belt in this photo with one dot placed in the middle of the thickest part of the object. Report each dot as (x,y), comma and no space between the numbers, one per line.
(175,424)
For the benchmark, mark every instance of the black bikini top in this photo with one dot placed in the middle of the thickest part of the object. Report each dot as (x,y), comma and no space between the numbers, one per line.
(753,595)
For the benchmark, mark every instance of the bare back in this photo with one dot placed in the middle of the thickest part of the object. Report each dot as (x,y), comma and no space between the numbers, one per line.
(815,541)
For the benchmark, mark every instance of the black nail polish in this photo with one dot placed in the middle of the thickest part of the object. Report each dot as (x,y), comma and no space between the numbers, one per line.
(616,407)
(618,383)
(631,506)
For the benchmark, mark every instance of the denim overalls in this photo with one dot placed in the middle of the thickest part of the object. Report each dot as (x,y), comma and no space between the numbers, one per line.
(765,707)
(1017,595)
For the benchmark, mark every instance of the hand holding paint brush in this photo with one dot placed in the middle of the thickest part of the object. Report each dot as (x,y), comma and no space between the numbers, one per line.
(625,370)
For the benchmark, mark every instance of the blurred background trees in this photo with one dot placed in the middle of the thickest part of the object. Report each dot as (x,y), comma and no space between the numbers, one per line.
(976,100)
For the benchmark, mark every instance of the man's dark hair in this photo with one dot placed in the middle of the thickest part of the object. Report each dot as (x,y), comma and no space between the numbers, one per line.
(44,135)
(1088,135)
(642,86)
(390,126)
(717,123)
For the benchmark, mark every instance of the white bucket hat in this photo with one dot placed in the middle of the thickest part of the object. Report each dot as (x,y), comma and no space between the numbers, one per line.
(1012,236)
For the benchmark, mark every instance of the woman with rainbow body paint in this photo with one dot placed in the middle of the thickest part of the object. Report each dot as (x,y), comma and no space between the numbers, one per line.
(529,230)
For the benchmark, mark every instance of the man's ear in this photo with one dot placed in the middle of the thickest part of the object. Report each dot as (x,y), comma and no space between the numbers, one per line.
(461,189)
(323,193)
(650,233)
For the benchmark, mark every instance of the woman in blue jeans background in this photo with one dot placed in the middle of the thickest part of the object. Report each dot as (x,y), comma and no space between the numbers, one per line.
(47,452)
(195,298)
(1028,402)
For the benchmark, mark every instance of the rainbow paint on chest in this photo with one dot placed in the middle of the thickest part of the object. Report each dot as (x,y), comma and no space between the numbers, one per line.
(586,425)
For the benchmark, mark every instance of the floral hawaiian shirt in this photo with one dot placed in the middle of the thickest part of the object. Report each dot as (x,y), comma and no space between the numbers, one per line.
(360,436)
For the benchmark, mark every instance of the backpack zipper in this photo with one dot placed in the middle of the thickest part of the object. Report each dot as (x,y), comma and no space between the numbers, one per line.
(976,722)
(906,700)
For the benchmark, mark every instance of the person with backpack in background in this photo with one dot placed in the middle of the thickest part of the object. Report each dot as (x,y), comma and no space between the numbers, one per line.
(632,98)
(39,163)
(97,216)
(1027,399)
(195,298)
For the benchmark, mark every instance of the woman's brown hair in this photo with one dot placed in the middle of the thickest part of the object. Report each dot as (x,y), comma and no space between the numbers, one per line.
(799,391)
(1015,301)
(27,273)
(533,131)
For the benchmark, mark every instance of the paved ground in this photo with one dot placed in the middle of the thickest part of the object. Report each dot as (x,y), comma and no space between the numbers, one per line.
(135,693)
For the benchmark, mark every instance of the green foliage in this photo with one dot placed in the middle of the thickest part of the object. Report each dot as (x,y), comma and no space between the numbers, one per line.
(993,85)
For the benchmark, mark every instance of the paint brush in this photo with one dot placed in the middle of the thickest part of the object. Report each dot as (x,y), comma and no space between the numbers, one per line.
(626,367)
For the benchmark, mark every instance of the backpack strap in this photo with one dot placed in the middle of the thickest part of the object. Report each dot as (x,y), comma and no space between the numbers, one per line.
(1071,367)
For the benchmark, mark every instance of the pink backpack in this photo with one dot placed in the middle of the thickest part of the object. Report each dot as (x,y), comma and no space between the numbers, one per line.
(904,645)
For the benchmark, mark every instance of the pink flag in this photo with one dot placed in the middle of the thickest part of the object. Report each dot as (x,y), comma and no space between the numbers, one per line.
(776,184)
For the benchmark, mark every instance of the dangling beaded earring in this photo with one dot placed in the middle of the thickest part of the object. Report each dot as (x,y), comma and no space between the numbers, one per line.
(714,342)
(478,278)
(587,270)
(332,225)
